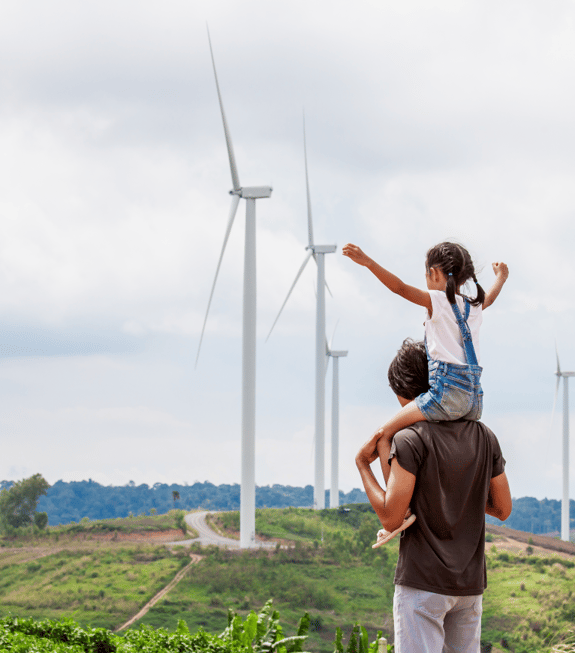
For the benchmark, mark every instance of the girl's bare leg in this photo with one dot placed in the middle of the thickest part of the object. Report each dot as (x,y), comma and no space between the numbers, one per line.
(408,415)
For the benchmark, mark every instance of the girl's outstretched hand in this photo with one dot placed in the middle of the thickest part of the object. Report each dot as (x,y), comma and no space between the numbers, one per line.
(355,254)
(501,270)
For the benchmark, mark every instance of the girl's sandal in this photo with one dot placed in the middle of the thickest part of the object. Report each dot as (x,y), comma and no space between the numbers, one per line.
(384,536)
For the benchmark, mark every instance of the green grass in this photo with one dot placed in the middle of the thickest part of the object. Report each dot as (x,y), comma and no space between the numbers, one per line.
(99,587)
(339,581)
(329,571)
(530,602)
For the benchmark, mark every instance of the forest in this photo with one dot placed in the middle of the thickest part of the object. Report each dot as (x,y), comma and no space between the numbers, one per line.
(67,502)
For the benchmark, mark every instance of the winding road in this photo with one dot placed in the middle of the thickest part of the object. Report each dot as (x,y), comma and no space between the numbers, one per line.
(206,536)
(197,521)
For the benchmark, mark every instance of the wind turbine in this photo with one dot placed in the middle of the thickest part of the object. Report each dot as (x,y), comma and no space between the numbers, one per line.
(334,492)
(565,522)
(318,252)
(250,194)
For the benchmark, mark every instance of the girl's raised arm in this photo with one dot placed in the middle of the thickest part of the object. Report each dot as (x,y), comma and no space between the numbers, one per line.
(501,273)
(395,284)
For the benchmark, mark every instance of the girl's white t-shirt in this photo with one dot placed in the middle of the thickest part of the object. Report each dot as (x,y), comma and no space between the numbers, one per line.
(442,333)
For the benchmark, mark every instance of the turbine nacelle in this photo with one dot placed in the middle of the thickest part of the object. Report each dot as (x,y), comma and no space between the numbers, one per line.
(253,192)
(336,354)
(322,249)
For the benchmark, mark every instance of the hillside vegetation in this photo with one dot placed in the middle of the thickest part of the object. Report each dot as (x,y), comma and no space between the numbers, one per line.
(325,566)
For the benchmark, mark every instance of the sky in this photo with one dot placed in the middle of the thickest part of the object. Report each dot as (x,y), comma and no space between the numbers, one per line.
(424,122)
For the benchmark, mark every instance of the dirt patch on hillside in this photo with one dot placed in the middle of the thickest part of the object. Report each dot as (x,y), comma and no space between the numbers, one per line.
(147,536)
(518,541)
(23,554)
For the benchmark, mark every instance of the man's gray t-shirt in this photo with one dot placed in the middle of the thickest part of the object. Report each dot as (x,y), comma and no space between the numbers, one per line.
(454,462)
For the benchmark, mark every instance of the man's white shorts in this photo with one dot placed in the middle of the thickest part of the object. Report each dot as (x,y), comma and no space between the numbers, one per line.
(425,622)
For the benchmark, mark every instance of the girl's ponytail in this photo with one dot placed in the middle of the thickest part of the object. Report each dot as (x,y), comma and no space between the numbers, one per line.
(450,288)
(478,301)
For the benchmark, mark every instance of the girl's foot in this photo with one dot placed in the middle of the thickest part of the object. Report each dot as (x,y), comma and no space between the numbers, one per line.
(384,536)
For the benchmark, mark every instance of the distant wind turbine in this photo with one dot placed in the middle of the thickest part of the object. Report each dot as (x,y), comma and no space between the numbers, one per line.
(250,194)
(565,521)
(334,492)
(318,252)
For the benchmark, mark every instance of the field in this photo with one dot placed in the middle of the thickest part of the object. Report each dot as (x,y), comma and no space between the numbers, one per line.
(99,572)
(323,564)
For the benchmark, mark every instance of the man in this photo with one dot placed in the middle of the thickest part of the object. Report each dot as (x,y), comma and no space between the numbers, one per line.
(449,474)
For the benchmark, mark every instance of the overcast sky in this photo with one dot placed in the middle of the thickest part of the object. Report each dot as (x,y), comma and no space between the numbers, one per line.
(425,122)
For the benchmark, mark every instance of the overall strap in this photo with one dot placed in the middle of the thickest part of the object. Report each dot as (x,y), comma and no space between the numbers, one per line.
(465,332)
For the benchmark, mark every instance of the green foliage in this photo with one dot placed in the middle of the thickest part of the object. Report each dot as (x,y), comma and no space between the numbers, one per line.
(359,642)
(41,520)
(18,503)
(94,640)
(257,633)
(70,501)
(262,633)
(180,521)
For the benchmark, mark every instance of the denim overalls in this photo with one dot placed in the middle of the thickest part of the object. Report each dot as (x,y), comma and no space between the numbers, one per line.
(455,390)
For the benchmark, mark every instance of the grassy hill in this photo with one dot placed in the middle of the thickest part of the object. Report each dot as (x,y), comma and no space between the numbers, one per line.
(101,574)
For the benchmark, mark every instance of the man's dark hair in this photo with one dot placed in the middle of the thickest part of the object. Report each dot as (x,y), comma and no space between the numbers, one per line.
(408,375)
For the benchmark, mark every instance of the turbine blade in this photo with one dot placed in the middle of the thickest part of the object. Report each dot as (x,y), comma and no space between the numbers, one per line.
(233,209)
(328,290)
(557,355)
(298,275)
(309,218)
(333,335)
(554,404)
(327,361)
(233,167)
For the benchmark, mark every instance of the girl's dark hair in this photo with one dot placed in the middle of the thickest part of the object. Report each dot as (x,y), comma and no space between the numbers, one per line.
(408,374)
(456,264)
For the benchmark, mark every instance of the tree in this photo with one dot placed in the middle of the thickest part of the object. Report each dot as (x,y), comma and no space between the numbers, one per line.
(41,520)
(175,496)
(18,503)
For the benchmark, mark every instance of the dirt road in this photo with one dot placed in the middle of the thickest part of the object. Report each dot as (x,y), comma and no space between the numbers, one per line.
(177,578)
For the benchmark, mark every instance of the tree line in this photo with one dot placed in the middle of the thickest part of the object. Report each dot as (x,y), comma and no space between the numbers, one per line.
(34,501)
(538,516)
(67,502)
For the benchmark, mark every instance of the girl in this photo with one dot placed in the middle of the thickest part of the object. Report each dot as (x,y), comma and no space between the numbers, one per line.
(451,338)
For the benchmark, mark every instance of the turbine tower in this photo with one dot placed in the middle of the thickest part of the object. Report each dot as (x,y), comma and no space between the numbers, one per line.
(318,252)
(250,194)
(565,521)
(334,492)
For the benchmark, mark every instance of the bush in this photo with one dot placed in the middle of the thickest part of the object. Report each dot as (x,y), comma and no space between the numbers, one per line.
(41,520)
(258,633)
(180,521)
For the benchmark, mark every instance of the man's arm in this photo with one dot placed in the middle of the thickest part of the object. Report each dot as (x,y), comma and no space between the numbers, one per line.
(499,502)
(391,505)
